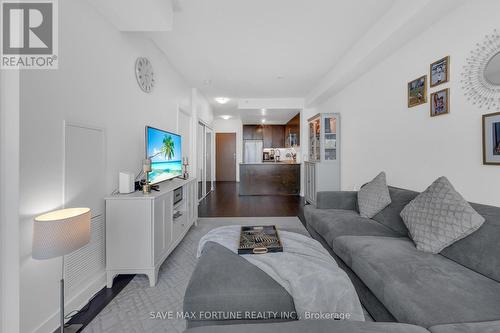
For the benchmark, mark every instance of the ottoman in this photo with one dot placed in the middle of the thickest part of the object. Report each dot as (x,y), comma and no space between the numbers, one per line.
(226,289)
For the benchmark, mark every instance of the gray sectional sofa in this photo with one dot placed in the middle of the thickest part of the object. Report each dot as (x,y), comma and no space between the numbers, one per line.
(394,280)
(457,290)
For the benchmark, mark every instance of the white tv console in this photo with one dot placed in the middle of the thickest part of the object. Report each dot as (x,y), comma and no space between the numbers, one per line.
(141,230)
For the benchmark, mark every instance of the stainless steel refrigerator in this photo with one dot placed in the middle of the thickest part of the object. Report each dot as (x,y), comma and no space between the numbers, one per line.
(252,151)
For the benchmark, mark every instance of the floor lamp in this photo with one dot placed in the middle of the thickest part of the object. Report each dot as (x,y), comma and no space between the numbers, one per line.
(56,234)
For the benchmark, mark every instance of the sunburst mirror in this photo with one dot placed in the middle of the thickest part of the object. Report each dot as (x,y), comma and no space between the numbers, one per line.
(481,74)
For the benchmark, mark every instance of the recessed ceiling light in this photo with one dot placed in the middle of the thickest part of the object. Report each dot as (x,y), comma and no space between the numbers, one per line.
(225,116)
(221,100)
(280,77)
(263,111)
(263,120)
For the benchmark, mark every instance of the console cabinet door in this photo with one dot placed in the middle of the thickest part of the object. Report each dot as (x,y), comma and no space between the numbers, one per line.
(162,221)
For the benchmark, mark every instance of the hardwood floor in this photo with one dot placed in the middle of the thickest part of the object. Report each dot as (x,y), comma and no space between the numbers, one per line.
(225,201)
(99,302)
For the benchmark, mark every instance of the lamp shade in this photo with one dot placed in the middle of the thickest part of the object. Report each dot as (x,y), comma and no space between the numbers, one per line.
(60,232)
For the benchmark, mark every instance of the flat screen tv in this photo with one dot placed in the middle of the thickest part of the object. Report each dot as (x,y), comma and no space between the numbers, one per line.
(165,151)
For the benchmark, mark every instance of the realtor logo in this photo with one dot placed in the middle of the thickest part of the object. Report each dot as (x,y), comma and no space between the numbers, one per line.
(29,34)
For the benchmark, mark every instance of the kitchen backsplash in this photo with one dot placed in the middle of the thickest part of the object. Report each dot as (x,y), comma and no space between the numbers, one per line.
(286,153)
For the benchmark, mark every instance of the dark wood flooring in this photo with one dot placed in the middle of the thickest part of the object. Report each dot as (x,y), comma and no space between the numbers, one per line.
(225,201)
(99,302)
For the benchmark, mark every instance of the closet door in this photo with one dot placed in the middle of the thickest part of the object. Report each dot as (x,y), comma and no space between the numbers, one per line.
(200,152)
(208,160)
(205,152)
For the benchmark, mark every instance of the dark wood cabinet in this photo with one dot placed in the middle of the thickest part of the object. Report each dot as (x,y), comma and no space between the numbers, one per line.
(292,132)
(278,136)
(253,132)
(270,179)
(273,136)
(258,133)
(268,136)
(248,132)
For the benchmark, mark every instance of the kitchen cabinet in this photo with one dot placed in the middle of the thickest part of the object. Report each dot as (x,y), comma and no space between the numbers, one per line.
(292,132)
(253,132)
(268,136)
(258,133)
(280,178)
(273,136)
(278,138)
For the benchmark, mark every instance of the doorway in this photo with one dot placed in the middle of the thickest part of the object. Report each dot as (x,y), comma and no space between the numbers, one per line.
(225,154)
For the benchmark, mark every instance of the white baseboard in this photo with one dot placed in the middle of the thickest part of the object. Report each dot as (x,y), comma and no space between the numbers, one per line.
(77,302)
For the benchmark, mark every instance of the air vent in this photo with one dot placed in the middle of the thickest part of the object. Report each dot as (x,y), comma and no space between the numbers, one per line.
(86,264)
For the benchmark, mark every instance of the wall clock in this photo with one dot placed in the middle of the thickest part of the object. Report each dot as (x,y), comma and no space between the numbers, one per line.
(144,74)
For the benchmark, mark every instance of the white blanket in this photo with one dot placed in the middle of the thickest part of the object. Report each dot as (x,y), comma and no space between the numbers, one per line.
(305,269)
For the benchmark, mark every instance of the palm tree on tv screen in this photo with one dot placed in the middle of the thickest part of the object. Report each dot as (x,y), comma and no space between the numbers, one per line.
(168,147)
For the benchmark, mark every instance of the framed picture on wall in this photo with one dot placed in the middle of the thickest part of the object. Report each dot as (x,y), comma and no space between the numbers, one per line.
(491,139)
(440,102)
(440,72)
(417,91)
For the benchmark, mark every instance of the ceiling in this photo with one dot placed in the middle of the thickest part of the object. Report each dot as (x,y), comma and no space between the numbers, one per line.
(271,117)
(262,48)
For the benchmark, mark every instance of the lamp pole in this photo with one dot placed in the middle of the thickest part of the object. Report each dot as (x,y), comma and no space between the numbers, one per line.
(62,295)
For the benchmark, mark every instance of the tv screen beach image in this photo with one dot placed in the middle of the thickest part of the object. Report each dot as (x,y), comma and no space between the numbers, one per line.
(164,150)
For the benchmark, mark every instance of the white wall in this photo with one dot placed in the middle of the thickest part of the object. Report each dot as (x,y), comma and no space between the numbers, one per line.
(233,125)
(95,85)
(202,108)
(9,201)
(379,132)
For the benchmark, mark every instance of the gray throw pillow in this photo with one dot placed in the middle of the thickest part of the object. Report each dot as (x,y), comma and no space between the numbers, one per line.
(439,216)
(374,196)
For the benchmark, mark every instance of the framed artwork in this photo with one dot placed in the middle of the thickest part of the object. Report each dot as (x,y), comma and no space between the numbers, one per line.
(440,72)
(491,139)
(440,102)
(417,91)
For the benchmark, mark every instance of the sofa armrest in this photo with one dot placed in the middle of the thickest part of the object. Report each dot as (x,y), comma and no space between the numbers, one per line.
(478,327)
(337,200)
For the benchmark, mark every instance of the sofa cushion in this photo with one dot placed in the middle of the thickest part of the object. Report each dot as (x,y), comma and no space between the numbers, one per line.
(316,326)
(332,223)
(373,196)
(481,327)
(226,283)
(480,251)
(337,200)
(418,287)
(389,216)
(439,216)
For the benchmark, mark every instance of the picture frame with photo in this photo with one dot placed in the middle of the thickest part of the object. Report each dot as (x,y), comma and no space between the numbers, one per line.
(417,91)
(440,102)
(440,72)
(491,139)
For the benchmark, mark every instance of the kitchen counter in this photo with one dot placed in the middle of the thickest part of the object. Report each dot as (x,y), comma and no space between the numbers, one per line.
(270,178)
(277,163)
